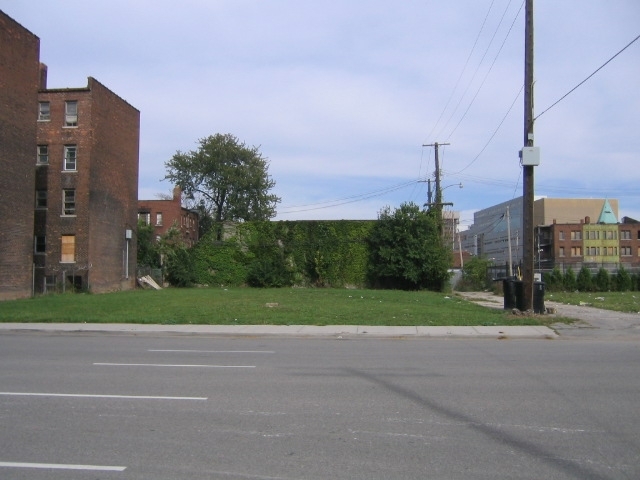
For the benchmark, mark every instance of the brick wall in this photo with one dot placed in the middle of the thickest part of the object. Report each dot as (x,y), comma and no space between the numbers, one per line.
(19,78)
(105,181)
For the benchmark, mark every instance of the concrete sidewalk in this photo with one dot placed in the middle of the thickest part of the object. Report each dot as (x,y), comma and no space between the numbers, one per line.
(328,331)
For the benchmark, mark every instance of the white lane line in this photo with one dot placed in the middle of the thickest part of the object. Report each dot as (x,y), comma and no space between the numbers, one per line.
(214,351)
(168,365)
(82,395)
(61,466)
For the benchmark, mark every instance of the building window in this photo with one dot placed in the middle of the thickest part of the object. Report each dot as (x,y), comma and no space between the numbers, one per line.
(71,113)
(43,155)
(594,235)
(625,235)
(44,111)
(41,199)
(40,244)
(625,251)
(69,202)
(560,235)
(68,249)
(561,252)
(576,251)
(159,219)
(70,152)
(576,235)
(144,217)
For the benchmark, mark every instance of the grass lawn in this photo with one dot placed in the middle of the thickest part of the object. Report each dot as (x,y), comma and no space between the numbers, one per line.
(618,301)
(249,306)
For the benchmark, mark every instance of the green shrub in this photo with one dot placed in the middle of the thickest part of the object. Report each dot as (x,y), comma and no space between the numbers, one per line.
(602,280)
(569,281)
(623,280)
(584,281)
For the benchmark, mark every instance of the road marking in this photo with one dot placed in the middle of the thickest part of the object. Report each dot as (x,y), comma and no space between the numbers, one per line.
(61,466)
(82,395)
(168,365)
(214,351)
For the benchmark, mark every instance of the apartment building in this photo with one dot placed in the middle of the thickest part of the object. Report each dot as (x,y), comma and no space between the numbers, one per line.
(86,189)
(19,81)
(605,243)
(169,213)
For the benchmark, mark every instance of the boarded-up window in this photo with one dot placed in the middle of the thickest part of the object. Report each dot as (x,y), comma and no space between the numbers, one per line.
(68,249)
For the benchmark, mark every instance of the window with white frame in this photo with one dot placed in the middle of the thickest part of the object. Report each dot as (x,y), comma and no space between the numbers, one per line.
(625,235)
(44,111)
(70,157)
(43,155)
(625,251)
(144,217)
(69,202)
(159,219)
(71,113)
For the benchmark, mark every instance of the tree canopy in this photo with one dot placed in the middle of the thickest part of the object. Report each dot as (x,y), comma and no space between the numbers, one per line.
(407,250)
(228,179)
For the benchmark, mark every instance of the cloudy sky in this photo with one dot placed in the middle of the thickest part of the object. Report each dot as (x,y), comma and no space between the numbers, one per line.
(341,95)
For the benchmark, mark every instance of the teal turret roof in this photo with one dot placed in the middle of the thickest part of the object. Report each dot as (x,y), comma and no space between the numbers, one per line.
(607,215)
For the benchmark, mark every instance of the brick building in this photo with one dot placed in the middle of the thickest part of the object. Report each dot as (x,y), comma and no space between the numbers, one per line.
(165,214)
(86,189)
(19,70)
(605,243)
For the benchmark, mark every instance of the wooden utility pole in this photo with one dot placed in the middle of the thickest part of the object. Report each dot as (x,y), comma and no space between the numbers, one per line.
(527,170)
(438,202)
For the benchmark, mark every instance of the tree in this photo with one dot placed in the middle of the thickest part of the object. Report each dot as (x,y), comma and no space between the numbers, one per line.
(623,280)
(570,283)
(603,280)
(407,250)
(229,179)
(148,254)
(584,280)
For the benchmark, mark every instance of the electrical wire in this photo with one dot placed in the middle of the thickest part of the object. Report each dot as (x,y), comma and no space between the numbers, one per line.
(585,80)
(477,68)
(486,75)
(464,69)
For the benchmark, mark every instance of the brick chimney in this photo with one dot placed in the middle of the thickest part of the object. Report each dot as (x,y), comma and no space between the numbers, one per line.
(43,76)
(177,194)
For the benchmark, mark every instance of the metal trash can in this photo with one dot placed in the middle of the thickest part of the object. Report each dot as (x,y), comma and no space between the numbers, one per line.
(538,297)
(519,291)
(509,290)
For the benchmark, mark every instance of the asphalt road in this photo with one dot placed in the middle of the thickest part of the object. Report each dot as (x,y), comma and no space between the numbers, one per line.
(100,406)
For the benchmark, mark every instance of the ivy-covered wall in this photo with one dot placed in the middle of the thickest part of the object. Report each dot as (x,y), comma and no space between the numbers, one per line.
(318,253)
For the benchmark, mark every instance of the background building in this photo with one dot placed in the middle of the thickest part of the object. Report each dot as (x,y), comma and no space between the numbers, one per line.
(166,214)
(568,233)
(19,80)
(86,189)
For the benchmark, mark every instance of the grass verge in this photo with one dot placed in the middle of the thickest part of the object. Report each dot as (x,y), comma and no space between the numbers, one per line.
(248,306)
(618,301)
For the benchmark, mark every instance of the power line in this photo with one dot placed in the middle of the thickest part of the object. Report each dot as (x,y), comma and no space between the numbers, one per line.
(495,59)
(583,81)
(464,68)
(344,201)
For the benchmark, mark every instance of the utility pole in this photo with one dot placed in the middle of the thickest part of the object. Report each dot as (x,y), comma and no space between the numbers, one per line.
(527,169)
(438,203)
(509,242)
